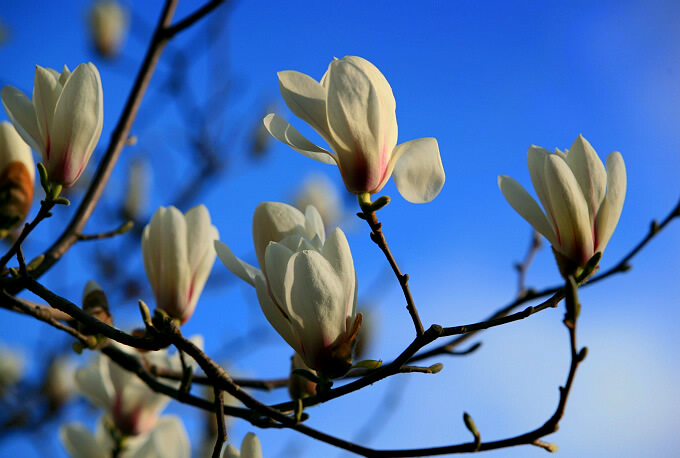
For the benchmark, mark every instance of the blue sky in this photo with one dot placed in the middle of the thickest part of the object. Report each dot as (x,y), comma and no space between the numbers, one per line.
(487,80)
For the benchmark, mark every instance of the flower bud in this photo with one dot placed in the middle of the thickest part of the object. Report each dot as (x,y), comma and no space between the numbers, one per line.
(11,369)
(317,190)
(17,177)
(354,111)
(58,386)
(108,26)
(95,302)
(582,200)
(178,251)
(137,192)
(64,120)
(250,448)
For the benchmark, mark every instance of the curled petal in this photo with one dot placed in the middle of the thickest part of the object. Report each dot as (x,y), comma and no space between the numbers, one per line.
(526,206)
(241,269)
(418,171)
(21,112)
(285,133)
(306,98)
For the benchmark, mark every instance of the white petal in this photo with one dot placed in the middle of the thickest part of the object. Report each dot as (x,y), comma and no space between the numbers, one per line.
(46,92)
(276,315)
(241,269)
(306,98)
(526,206)
(418,171)
(337,253)
(272,222)
(314,223)
(201,249)
(81,443)
(94,382)
(78,121)
(231,452)
(609,214)
(536,157)
(168,439)
(277,257)
(251,447)
(573,228)
(285,133)
(589,172)
(21,112)
(14,148)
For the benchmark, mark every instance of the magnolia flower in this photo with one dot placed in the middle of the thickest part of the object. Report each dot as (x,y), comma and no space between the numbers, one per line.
(108,25)
(58,386)
(63,122)
(178,256)
(137,191)
(317,190)
(17,176)
(353,109)
(582,201)
(306,287)
(11,368)
(130,404)
(168,439)
(250,448)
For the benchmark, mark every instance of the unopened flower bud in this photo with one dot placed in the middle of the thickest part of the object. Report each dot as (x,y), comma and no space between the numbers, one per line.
(11,369)
(108,25)
(95,304)
(17,177)
(59,385)
(137,193)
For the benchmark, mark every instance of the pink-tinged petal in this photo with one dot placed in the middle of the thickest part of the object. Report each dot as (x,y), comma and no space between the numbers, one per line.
(418,171)
(526,206)
(201,251)
(571,211)
(589,172)
(21,113)
(241,269)
(168,439)
(610,212)
(46,92)
(306,98)
(77,125)
(285,133)
(536,157)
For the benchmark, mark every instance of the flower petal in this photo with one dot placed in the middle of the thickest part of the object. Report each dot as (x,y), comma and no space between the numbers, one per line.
(272,222)
(21,112)
(526,206)
(201,250)
(277,258)
(337,253)
(536,157)
(314,223)
(94,382)
(418,170)
(241,269)
(276,316)
(46,91)
(285,133)
(589,172)
(81,443)
(610,212)
(306,98)
(168,439)
(573,228)
(251,447)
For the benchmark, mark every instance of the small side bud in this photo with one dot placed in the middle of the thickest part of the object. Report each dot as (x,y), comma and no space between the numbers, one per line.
(300,386)
(95,304)
(435,368)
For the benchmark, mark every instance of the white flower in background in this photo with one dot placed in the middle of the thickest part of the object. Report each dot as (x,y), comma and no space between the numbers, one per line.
(17,178)
(11,368)
(354,111)
(320,192)
(108,26)
(63,122)
(59,386)
(582,200)
(307,287)
(250,448)
(130,404)
(178,256)
(137,192)
(168,439)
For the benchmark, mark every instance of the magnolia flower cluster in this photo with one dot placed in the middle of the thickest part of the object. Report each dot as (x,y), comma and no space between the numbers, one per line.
(306,284)
(582,200)
(17,177)
(178,256)
(131,408)
(354,111)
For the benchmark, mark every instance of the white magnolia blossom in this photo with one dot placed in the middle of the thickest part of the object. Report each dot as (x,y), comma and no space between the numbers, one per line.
(64,120)
(250,448)
(320,192)
(11,368)
(59,385)
(354,111)
(129,403)
(307,287)
(108,26)
(168,439)
(178,256)
(17,178)
(582,200)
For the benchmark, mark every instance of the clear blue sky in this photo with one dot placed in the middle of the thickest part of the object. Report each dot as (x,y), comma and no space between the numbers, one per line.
(487,80)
